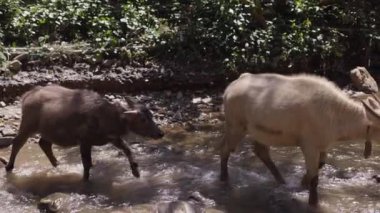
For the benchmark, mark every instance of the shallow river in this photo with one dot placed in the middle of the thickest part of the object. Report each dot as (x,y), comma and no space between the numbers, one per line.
(184,166)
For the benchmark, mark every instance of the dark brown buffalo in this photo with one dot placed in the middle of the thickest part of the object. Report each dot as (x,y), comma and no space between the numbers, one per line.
(68,117)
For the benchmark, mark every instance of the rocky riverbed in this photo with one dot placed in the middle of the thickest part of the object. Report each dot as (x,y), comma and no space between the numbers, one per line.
(78,68)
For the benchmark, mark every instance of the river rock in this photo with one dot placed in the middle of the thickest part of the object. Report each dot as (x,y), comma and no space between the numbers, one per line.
(363,81)
(5,142)
(119,70)
(196,100)
(8,131)
(206,100)
(14,66)
(55,202)
(199,198)
(108,63)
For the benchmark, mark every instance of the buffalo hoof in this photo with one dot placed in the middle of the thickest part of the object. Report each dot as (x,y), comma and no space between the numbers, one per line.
(8,168)
(321,164)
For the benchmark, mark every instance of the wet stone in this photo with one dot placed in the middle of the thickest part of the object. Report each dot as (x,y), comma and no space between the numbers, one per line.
(8,131)
(48,205)
(199,198)
(196,100)
(206,100)
(5,141)
(56,202)
(119,70)
(348,173)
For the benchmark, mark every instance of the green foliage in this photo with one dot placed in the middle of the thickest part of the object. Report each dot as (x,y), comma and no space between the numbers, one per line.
(2,55)
(8,9)
(238,34)
(98,21)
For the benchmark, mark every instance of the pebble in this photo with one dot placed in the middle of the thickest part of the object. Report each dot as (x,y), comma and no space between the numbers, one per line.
(206,100)
(8,131)
(119,70)
(196,100)
(2,104)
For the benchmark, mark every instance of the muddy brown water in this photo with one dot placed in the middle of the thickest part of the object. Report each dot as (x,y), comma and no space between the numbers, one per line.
(183,163)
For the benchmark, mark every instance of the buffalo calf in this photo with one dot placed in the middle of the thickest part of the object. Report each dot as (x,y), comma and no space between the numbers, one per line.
(68,117)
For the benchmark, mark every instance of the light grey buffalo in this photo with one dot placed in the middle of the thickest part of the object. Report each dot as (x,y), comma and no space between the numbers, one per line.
(301,110)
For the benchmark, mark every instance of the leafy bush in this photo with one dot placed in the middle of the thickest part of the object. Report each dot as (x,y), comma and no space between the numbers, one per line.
(244,34)
(2,56)
(8,9)
(238,34)
(94,20)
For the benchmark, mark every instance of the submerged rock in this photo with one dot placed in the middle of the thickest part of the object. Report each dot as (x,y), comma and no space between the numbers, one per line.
(199,198)
(5,141)
(55,202)
(8,131)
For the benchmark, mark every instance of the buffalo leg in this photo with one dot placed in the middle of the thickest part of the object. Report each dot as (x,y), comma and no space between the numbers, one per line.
(46,147)
(322,159)
(262,152)
(224,156)
(85,151)
(134,166)
(17,143)
(311,155)
(230,141)
(367,149)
